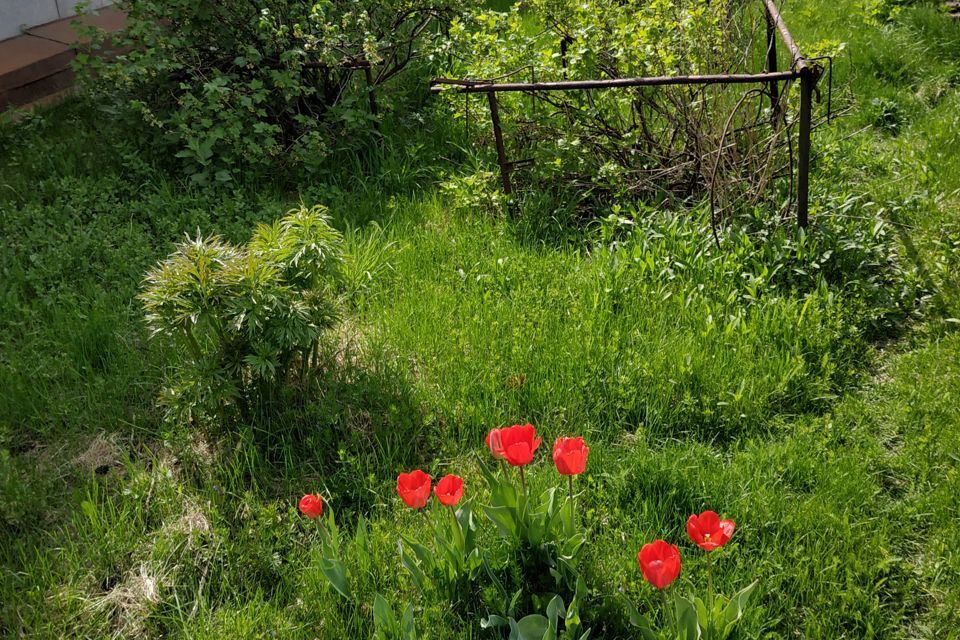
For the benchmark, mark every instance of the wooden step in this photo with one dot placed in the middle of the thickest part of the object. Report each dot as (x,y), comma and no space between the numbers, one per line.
(36,64)
(110,20)
(26,59)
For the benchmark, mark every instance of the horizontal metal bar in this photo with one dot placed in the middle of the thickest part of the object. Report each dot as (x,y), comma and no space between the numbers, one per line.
(479,86)
(799,62)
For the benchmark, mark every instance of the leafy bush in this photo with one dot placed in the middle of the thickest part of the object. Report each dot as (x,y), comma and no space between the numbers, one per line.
(233,82)
(849,254)
(886,114)
(852,250)
(246,320)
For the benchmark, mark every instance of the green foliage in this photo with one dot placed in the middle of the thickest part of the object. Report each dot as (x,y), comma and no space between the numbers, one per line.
(450,567)
(542,527)
(652,141)
(386,624)
(844,481)
(539,627)
(475,191)
(887,114)
(880,12)
(692,619)
(331,565)
(236,83)
(247,320)
(655,328)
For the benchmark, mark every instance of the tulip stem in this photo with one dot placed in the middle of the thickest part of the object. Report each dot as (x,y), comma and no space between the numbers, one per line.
(572,510)
(710,595)
(457,529)
(523,481)
(428,516)
(667,616)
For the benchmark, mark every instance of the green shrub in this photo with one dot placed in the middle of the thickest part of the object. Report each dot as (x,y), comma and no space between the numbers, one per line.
(247,321)
(273,81)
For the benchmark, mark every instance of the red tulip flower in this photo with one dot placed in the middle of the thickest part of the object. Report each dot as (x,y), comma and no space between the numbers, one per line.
(708,531)
(311,505)
(570,456)
(519,442)
(495,445)
(449,490)
(414,488)
(659,563)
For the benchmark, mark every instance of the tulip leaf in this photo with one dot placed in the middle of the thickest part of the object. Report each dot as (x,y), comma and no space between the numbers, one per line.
(449,552)
(568,517)
(488,475)
(416,574)
(536,529)
(329,533)
(491,621)
(571,546)
(532,627)
(638,620)
(688,626)
(468,527)
(504,519)
(336,574)
(424,555)
(555,610)
(502,493)
(549,498)
(485,560)
(572,619)
(474,561)
(702,614)
(556,575)
(407,627)
(514,601)
(383,617)
(734,610)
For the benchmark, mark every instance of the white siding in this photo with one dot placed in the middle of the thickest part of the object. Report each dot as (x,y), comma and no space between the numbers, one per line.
(18,14)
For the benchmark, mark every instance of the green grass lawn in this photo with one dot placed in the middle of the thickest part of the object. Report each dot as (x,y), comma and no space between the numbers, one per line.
(814,400)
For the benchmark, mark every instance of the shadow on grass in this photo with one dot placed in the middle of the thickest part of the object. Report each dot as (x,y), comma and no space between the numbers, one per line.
(348,439)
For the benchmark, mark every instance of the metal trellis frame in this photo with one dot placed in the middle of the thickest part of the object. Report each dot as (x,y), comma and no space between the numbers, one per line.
(806,70)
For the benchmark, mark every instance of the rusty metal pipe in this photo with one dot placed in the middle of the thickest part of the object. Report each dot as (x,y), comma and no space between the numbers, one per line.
(479,86)
(799,62)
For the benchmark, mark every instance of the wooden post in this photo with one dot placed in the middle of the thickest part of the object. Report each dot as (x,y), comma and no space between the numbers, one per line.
(372,96)
(498,138)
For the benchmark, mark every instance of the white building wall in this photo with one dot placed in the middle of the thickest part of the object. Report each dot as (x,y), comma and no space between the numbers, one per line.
(16,15)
